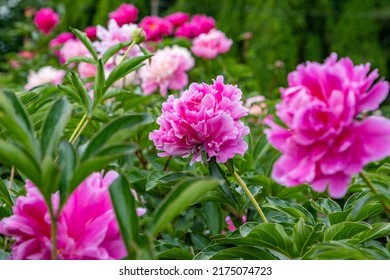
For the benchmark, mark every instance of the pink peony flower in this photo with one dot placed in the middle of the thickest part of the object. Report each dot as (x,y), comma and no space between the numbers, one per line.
(205,118)
(58,41)
(45,75)
(86,70)
(199,24)
(178,18)
(326,141)
(91,32)
(113,35)
(155,27)
(46,20)
(167,70)
(126,13)
(72,48)
(209,45)
(256,105)
(86,229)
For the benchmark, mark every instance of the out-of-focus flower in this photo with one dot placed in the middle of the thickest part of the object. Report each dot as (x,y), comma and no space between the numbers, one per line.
(199,24)
(91,32)
(113,35)
(58,41)
(126,13)
(29,12)
(86,70)
(205,118)
(326,142)
(167,70)
(229,223)
(14,63)
(155,27)
(86,228)
(211,44)
(45,75)
(26,55)
(46,20)
(256,105)
(178,18)
(72,48)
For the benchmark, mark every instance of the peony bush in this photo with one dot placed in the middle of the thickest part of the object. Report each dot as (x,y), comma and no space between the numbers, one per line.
(137,139)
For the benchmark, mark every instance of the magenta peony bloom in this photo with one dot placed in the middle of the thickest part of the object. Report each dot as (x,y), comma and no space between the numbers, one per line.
(209,45)
(205,118)
(91,32)
(178,18)
(86,229)
(327,139)
(167,70)
(45,75)
(155,27)
(46,20)
(126,13)
(61,39)
(199,24)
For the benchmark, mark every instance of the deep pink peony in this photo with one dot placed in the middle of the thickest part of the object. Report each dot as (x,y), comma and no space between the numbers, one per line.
(327,139)
(211,44)
(155,27)
(46,20)
(87,227)
(199,24)
(61,39)
(205,118)
(178,18)
(126,13)
(167,70)
(91,32)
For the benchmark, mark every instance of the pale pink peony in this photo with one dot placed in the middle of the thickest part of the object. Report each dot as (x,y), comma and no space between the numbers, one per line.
(46,20)
(199,24)
(45,75)
(326,141)
(205,118)
(91,32)
(126,13)
(256,105)
(209,45)
(86,70)
(167,70)
(155,27)
(113,35)
(86,228)
(72,48)
(178,18)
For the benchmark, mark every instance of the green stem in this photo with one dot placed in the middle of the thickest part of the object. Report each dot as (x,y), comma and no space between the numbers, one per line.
(81,130)
(374,191)
(11,178)
(249,194)
(53,219)
(127,52)
(75,132)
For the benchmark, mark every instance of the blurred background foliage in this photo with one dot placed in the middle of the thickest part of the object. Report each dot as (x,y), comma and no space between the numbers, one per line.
(270,36)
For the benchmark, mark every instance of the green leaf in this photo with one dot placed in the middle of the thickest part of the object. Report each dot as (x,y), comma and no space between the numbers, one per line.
(4,193)
(128,124)
(113,50)
(71,93)
(4,255)
(81,91)
(338,217)
(22,161)
(344,230)
(291,209)
(14,117)
(68,161)
(306,235)
(153,178)
(54,125)
(86,42)
(185,194)
(126,67)
(98,87)
(175,254)
(325,205)
(78,59)
(375,231)
(214,217)
(270,236)
(241,253)
(125,211)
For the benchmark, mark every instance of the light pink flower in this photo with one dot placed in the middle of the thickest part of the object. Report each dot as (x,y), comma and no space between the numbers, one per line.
(126,13)
(178,18)
(91,32)
(209,45)
(205,118)
(46,20)
(45,75)
(72,48)
(155,27)
(256,105)
(86,228)
(199,24)
(113,35)
(326,142)
(167,70)
(86,70)
(61,39)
